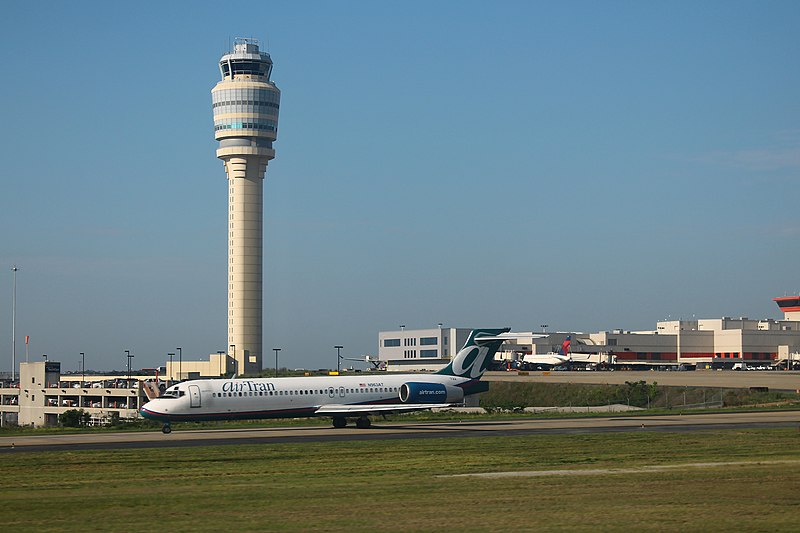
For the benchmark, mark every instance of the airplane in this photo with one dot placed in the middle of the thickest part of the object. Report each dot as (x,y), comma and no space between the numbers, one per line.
(338,397)
(551,359)
(545,360)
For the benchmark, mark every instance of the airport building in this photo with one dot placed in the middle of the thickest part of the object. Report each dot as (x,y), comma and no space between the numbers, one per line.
(42,394)
(711,343)
(420,350)
(218,364)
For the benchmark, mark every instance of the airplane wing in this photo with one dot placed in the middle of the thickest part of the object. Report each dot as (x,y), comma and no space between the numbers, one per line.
(353,410)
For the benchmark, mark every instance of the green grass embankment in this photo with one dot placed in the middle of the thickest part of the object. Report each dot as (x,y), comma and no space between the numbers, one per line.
(517,395)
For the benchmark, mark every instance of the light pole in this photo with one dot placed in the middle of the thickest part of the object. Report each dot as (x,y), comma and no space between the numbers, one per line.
(83,369)
(180,362)
(130,356)
(338,358)
(171,366)
(14,326)
(219,354)
(276,350)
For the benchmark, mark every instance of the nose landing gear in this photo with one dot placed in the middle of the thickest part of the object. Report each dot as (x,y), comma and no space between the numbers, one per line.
(167,429)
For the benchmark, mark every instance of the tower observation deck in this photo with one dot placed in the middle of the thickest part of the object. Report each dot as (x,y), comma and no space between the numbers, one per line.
(245,104)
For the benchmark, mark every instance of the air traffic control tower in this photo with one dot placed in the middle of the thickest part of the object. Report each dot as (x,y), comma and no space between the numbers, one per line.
(245,104)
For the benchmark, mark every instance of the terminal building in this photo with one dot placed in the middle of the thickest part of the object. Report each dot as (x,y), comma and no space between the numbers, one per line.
(707,343)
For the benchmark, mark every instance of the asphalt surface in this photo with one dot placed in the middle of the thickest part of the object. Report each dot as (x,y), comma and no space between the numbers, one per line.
(393,431)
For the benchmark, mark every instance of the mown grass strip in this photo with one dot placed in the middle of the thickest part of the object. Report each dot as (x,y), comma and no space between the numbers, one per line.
(395,485)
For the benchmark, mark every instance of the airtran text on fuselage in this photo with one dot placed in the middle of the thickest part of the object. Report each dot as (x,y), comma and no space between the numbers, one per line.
(246,385)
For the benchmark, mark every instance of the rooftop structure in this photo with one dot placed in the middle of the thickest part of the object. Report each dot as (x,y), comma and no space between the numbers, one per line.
(790,305)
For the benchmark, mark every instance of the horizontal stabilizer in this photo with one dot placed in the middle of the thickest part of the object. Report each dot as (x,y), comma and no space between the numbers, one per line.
(510,337)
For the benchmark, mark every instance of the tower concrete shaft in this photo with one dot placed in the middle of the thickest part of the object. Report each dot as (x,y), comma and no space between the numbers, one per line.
(245,104)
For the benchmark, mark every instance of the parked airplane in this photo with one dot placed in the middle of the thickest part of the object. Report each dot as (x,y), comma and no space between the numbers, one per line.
(339,397)
(545,361)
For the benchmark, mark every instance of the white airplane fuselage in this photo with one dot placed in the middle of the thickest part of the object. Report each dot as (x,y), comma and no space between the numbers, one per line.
(229,399)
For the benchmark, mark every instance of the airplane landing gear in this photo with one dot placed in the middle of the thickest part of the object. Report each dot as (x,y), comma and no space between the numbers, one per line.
(339,422)
(363,423)
(167,429)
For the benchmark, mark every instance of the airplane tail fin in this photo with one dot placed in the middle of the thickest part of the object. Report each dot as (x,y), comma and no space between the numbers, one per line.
(565,347)
(474,358)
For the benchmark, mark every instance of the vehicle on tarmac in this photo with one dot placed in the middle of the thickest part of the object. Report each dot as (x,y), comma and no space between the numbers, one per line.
(338,397)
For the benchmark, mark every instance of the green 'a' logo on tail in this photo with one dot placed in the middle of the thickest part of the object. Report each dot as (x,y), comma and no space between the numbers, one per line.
(474,358)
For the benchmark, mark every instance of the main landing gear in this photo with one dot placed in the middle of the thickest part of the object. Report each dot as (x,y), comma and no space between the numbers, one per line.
(167,429)
(362,422)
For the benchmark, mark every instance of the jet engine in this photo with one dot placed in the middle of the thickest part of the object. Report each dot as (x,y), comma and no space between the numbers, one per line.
(430,393)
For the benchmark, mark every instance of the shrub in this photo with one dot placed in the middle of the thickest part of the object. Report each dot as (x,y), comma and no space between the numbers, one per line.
(74,418)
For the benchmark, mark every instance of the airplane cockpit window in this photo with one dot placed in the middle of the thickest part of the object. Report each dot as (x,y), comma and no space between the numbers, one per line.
(173,393)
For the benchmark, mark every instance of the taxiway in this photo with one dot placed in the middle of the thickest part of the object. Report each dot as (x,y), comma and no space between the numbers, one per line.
(393,430)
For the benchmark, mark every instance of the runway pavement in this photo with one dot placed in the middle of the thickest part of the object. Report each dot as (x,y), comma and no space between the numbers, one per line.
(775,380)
(390,431)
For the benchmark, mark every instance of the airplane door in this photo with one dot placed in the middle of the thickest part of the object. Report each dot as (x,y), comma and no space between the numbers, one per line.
(194,396)
(341,392)
(332,392)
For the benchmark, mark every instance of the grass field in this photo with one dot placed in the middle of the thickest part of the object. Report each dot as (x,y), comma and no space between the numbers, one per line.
(402,485)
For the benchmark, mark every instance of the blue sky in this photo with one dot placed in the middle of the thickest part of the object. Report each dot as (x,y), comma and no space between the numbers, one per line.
(586,165)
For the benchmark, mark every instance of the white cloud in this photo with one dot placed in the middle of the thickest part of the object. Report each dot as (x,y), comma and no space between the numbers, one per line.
(783,154)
